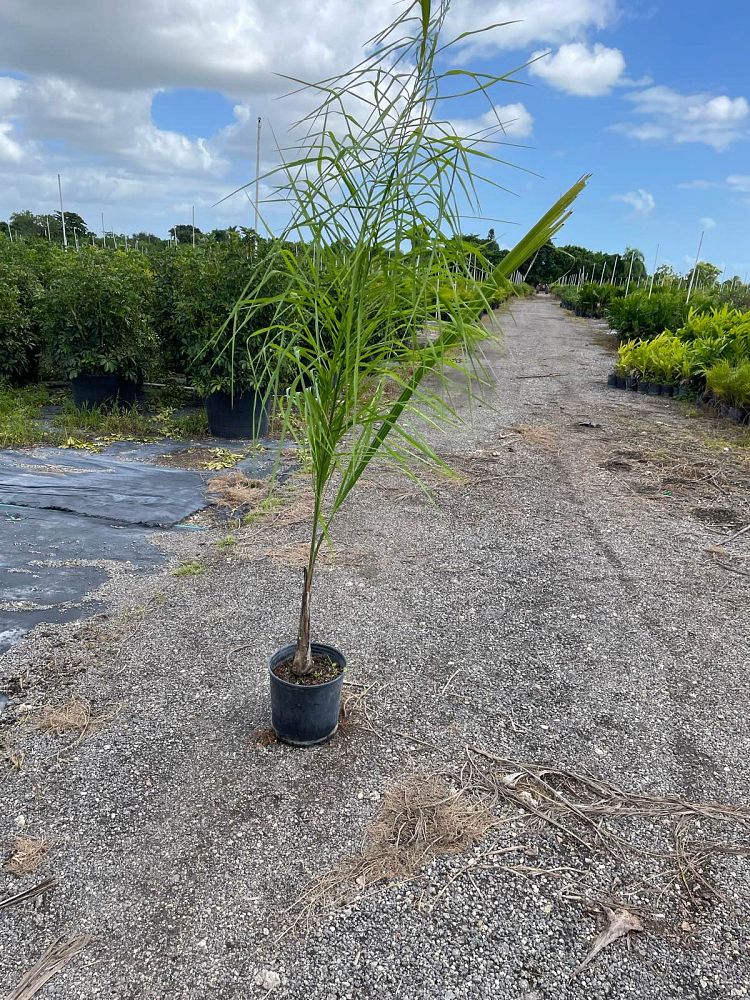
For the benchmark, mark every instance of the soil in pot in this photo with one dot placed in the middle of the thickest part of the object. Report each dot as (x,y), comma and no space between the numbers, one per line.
(325,670)
(243,416)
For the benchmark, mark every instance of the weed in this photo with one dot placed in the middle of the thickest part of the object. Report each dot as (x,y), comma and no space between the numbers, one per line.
(222,458)
(20,413)
(227,542)
(194,568)
(266,506)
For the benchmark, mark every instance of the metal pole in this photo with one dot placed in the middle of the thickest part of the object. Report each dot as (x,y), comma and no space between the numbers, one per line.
(62,213)
(193,225)
(75,236)
(695,268)
(257,174)
(601,276)
(630,271)
(49,236)
(614,267)
(656,257)
(9,231)
(104,232)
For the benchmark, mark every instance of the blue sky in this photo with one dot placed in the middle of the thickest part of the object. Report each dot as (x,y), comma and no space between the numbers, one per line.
(651,96)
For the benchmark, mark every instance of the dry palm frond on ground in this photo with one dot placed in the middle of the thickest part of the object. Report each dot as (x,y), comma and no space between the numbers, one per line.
(452,810)
(27,854)
(52,961)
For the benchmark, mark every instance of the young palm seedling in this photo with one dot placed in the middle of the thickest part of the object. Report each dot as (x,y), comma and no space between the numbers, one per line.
(379,302)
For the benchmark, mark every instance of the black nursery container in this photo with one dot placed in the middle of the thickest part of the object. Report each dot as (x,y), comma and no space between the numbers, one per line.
(243,415)
(305,714)
(643,386)
(612,380)
(95,390)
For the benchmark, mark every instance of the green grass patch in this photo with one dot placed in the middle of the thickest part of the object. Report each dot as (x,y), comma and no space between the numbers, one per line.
(194,568)
(20,416)
(266,506)
(227,542)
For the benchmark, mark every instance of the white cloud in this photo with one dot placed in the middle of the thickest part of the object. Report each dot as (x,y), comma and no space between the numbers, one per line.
(529,22)
(697,185)
(706,222)
(642,202)
(717,121)
(506,121)
(87,111)
(739,182)
(580,69)
(11,151)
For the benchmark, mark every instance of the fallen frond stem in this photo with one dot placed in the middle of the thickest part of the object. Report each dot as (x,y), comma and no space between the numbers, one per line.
(26,894)
(52,961)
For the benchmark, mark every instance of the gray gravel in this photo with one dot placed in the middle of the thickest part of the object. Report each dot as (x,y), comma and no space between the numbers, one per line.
(589,627)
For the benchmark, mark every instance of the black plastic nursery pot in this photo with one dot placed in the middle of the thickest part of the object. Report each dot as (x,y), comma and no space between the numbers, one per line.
(644,386)
(243,415)
(631,383)
(95,390)
(737,414)
(667,390)
(612,380)
(654,388)
(620,382)
(305,714)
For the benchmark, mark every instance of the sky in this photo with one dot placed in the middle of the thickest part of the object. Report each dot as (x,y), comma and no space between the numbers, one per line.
(147,109)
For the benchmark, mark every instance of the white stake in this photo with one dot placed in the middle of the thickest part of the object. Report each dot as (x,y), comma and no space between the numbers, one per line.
(614,267)
(695,267)
(9,231)
(630,271)
(193,225)
(62,213)
(49,236)
(257,174)
(656,257)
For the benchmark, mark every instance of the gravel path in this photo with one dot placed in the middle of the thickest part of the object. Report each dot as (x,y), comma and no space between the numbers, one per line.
(558,603)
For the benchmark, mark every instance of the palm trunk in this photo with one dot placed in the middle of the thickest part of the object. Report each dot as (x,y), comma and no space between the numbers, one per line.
(302,665)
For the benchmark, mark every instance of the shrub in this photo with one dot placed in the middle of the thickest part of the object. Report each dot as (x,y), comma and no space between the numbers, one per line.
(96,314)
(730,383)
(636,316)
(20,292)
(208,283)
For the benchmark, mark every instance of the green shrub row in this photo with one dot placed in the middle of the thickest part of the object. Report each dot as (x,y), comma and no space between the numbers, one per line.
(711,348)
(104,311)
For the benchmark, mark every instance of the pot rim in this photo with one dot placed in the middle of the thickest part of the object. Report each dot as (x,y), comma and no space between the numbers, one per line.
(321,647)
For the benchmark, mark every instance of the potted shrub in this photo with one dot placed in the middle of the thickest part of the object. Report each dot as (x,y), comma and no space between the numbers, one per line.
(96,322)
(374,220)
(20,292)
(230,375)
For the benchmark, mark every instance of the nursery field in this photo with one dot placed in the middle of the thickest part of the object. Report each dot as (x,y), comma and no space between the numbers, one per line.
(543,743)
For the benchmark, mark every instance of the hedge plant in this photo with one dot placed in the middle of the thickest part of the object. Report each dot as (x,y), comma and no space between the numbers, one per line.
(96,314)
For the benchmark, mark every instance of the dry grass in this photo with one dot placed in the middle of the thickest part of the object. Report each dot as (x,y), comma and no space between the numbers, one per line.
(27,854)
(235,491)
(537,434)
(420,820)
(72,717)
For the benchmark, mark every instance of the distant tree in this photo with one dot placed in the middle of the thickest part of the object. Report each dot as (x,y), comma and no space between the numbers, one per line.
(705,274)
(184,234)
(639,264)
(149,238)
(27,225)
